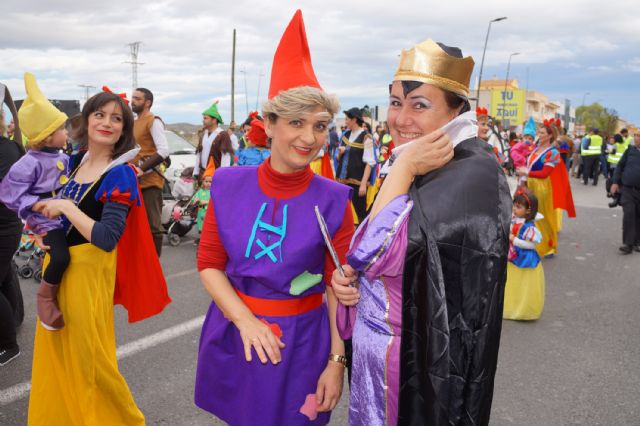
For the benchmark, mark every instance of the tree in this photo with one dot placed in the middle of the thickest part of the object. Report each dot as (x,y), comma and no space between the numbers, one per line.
(596,115)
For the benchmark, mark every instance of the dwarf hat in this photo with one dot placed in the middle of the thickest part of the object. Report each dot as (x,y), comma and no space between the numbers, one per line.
(212,111)
(292,61)
(530,128)
(256,134)
(38,117)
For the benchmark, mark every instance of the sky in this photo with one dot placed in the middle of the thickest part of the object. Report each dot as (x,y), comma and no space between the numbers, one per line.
(585,51)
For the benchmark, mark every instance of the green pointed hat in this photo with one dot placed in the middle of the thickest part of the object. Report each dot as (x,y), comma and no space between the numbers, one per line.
(212,111)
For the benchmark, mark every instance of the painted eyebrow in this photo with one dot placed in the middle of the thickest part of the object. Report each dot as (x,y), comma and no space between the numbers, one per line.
(420,97)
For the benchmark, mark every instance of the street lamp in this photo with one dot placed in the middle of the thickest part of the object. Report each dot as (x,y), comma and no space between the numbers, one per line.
(246,97)
(483,53)
(506,81)
(258,94)
(584,97)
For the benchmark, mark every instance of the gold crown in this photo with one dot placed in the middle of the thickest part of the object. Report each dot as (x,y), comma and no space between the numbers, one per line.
(428,63)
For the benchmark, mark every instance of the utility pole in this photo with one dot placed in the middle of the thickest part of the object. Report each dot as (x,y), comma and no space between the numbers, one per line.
(233,77)
(134,47)
(86,88)
(504,94)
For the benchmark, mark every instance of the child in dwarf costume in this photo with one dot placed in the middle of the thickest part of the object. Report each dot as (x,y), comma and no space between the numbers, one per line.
(257,151)
(37,176)
(269,351)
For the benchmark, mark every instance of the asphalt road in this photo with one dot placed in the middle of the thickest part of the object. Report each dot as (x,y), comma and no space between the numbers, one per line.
(577,365)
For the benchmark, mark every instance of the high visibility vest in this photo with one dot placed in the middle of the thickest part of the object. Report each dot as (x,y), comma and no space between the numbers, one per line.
(614,158)
(595,146)
(628,140)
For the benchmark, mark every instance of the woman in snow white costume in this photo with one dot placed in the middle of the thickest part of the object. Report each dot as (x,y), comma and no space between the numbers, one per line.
(75,376)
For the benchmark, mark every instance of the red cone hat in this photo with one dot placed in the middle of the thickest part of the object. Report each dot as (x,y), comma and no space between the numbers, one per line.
(292,61)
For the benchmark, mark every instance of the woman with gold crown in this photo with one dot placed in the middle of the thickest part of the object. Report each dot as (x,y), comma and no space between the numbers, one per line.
(270,352)
(430,259)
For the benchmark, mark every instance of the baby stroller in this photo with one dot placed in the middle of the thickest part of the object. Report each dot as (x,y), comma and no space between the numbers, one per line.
(179,213)
(32,266)
(183,217)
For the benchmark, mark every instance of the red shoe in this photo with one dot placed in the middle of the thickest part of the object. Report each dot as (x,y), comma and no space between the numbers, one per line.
(47,306)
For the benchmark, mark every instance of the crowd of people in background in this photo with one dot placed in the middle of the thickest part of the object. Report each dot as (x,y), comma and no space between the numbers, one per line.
(406,236)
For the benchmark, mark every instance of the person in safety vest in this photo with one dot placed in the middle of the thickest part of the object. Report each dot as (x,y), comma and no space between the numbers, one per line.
(590,152)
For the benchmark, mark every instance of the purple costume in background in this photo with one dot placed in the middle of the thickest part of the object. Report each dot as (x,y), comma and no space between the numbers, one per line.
(275,252)
(36,176)
(378,252)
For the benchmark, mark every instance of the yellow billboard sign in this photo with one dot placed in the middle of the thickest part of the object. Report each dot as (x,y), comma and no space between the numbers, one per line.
(508,106)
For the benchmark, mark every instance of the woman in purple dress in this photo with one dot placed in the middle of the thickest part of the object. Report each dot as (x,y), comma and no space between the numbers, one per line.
(430,259)
(263,260)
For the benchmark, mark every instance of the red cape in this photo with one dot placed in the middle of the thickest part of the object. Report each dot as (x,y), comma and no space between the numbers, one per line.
(326,169)
(562,196)
(140,284)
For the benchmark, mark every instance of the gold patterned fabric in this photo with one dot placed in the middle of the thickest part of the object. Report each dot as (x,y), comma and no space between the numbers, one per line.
(428,63)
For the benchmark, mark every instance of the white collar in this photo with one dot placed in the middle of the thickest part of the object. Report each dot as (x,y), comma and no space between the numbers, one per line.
(124,158)
(459,129)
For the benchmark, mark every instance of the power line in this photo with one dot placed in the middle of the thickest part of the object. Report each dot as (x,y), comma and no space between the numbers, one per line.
(134,48)
(86,88)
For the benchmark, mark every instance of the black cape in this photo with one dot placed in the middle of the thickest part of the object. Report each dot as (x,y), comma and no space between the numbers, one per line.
(453,290)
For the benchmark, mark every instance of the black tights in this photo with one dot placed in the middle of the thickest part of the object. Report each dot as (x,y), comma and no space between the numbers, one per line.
(11,308)
(59,257)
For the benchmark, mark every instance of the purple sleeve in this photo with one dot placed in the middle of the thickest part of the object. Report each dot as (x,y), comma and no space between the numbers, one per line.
(15,187)
(378,246)
(107,231)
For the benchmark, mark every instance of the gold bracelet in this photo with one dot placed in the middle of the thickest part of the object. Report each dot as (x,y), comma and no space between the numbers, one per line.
(338,358)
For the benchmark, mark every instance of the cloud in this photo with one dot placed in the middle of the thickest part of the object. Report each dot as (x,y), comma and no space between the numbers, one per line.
(633,65)
(186,45)
(601,68)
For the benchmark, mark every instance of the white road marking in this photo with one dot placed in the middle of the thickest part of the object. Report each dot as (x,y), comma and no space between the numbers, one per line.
(182,274)
(21,390)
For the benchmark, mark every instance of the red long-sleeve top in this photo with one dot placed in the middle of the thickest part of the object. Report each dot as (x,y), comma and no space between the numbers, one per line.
(211,252)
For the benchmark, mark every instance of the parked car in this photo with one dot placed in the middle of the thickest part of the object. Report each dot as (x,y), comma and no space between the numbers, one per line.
(183,155)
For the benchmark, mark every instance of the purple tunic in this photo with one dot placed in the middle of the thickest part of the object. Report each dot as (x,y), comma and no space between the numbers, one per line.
(31,179)
(275,251)
(377,251)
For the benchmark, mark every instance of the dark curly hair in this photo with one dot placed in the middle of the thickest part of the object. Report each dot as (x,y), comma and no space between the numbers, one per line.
(126,141)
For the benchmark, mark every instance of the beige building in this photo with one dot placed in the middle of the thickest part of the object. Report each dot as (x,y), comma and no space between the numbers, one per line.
(536,104)
(624,124)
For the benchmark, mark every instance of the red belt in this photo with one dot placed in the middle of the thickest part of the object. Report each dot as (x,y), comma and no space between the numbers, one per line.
(281,308)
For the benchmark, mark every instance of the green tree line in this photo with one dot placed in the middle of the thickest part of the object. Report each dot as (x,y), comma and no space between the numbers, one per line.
(596,115)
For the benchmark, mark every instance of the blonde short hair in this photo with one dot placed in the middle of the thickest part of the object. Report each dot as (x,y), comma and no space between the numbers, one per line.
(297,101)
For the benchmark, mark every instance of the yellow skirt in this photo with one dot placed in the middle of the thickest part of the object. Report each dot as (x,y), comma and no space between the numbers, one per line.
(316,166)
(524,293)
(372,191)
(560,213)
(548,226)
(75,376)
